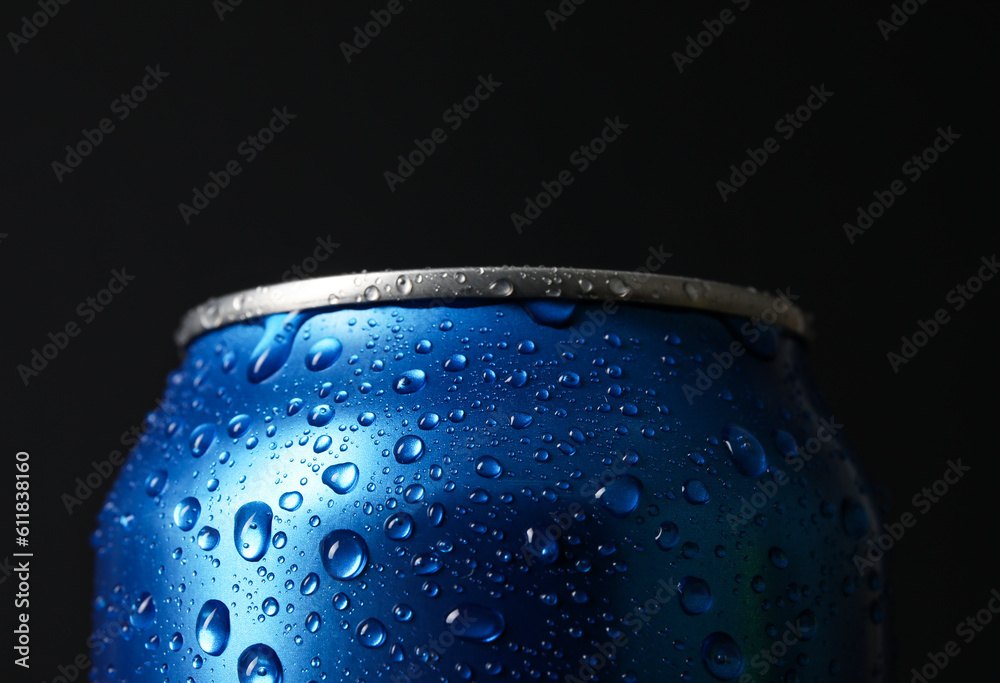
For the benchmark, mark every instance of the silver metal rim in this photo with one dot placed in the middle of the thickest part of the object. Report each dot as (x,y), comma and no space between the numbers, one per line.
(447,285)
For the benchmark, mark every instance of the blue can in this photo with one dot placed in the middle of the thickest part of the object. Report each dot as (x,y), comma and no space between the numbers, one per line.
(490,475)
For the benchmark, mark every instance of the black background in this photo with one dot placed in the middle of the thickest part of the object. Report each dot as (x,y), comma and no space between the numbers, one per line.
(656,185)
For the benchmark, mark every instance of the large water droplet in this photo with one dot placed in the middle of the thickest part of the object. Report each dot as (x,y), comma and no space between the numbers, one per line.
(550,313)
(344,554)
(620,496)
(695,595)
(252,530)
(424,564)
(239,425)
(290,500)
(371,633)
(342,478)
(324,353)
(520,420)
(544,548)
(201,439)
(320,415)
(143,612)
(667,535)
(410,382)
(259,664)
(186,513)
(722,656)
(399,526)
(745,450)
(156,482)
(274,346)
(408,449)
(208,538)
(695,492)
(475,623)
(212,627)
(488,467)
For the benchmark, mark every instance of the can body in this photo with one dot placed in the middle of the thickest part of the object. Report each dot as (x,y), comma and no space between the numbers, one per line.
(490,491)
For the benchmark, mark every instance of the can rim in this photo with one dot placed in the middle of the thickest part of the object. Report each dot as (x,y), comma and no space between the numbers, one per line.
(447,285)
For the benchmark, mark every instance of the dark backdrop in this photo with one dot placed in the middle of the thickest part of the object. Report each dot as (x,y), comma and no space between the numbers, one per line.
(888,94)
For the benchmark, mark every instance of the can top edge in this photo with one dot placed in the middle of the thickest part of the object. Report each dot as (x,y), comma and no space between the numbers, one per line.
(446,285)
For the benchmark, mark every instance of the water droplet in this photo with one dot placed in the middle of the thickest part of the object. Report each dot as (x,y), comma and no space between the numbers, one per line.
(456,363)
(274,346)
(620,496)
(269,606)
(778,558)
(501,287)
(313,622)
(323,443)
(212,627)
(239,425)
(404,284)
(208,538)
(488,467)
(744,448)
(259,664)
(695,595)
(435,514)
(478,624)
(186,513)
(201,439)
(520,420)
(341,602)
(722,656)
(371,633)
(156,482)
(667,535)
(619,287)
(320,415)
(408,449)
(410,381)
(550,313)
(143,612)
(342,478)
(399,526)
(569,380)
(694,492)
(543,547)
(371,293)
(424,564)
(252,530)
(290,500)
(344,554)
(806,624)
(324,353)
(309,584)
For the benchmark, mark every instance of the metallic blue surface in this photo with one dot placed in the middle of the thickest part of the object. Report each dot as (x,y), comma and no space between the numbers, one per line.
(491,492)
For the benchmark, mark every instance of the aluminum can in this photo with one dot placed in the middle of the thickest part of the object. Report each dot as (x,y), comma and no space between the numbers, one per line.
(491,474)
